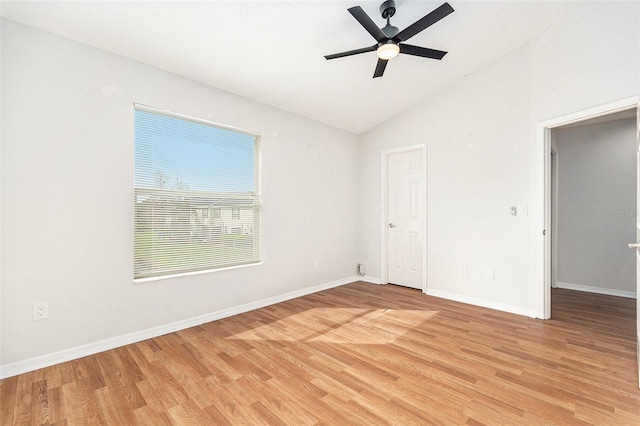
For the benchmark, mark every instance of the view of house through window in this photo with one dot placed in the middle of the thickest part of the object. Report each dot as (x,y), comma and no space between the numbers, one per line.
(197,195)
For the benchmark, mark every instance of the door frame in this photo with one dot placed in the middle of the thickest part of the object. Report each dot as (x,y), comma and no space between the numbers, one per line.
(553,188)
(543,139)
(384,211)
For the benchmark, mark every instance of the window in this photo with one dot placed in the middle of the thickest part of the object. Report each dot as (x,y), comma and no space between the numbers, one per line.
(185,167)
(235,213)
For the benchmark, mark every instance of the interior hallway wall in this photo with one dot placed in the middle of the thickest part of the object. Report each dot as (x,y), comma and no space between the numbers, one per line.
(597,207)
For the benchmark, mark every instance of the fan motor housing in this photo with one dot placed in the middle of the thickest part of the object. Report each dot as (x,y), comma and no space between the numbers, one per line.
(388,9)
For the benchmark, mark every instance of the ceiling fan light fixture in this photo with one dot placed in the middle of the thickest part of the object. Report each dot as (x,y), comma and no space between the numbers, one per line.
(388,50)
(389,38)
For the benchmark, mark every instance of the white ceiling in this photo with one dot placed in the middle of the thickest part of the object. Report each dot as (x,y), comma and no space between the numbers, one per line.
(272,51)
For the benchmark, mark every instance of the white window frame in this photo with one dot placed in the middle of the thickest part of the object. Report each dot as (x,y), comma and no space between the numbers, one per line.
(254,199)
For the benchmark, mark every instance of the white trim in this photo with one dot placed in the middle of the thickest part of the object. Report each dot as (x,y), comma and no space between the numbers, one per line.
(484,303)
(384,214)
(553,205)
(48,360)
(598,290)
(543,161)
(191,273)
(371,280)
(167,113)
(595,112)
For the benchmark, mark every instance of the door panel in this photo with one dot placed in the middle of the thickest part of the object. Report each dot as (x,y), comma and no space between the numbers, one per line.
(636,245)
(638,238)
(405,214)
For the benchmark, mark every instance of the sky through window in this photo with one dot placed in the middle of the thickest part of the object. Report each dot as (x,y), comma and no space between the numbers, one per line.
(191,155)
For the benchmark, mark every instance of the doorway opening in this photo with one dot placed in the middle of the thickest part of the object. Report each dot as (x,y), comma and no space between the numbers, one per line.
(593,204)
(624,108)
(546,133)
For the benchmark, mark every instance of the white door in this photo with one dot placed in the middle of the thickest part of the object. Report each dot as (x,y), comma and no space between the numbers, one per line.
(406,197)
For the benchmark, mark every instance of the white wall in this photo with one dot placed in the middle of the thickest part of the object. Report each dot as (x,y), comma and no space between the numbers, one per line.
(67,194)
(596,206)
(483,155)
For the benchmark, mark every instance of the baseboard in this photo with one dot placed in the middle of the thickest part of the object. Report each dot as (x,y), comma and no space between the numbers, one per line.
(598,290)
(48,360)
(483,303)
(368,279)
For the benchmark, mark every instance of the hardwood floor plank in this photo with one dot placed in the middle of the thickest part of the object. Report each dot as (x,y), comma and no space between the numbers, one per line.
(158,401)
(217,418)
(8,400)
(165,386)
(293,371)
(87,370)
(40,406)
(419,394)
(111,408)
(89,403)
(198,391)
(22,413)
(71,404)
(231,407)
(188,413)
(486,414)
(318,409)
(279,399)
(265,416)
(218,368)
(244,365)
(359,354)
(148,416)
(388,408)
(120,380)
(358,415)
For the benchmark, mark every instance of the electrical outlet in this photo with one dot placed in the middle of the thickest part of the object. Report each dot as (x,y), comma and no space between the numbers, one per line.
(316,263)
(40,310)
(462,269)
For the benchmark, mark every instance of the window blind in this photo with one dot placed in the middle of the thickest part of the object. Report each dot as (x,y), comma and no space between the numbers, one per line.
(197,195)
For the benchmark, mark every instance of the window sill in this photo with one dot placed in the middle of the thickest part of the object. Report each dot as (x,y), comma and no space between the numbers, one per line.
(190,274)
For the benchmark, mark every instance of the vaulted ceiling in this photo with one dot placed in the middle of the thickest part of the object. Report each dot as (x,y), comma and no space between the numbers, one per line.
(273,51)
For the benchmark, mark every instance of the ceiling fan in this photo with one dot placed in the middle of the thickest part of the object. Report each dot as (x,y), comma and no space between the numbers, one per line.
(389,40)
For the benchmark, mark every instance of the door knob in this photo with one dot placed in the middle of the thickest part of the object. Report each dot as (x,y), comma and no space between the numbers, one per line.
(634,245)
(391,225)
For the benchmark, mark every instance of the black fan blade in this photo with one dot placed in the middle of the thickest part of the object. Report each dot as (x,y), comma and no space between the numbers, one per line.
(382,64)
(425,22)
(423,52)
(352,52)
(368,24)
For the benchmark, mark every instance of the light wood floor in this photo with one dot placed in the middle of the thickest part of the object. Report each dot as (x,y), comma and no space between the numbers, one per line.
(357,354)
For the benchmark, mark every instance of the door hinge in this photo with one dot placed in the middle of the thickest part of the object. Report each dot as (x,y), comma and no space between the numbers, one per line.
(544,232)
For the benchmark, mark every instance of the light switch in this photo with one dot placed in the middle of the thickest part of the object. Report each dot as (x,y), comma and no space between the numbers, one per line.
(522,210)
